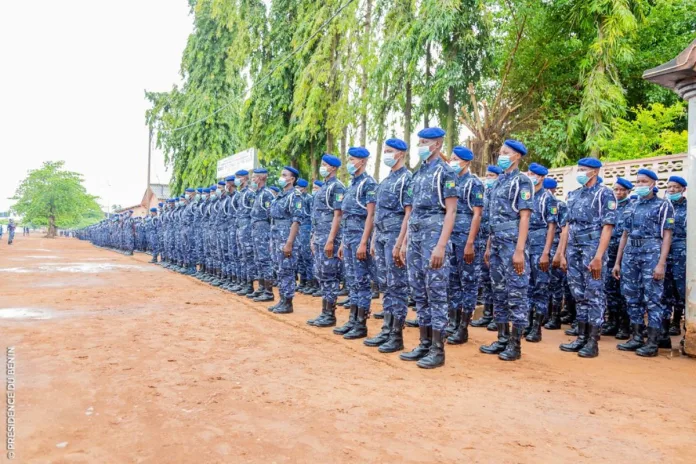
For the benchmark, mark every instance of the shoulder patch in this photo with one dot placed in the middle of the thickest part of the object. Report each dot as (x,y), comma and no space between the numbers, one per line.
(268,203)
(611,205)
(339,197)
(670,220)
(298,204)
(410,191)
(449,184)
(526,194)
(554,210)
(479,195)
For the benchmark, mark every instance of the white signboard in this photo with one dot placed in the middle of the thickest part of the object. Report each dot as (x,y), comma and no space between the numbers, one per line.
(243,160)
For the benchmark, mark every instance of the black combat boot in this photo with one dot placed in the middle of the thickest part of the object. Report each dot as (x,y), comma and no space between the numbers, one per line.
(235,284)
(258,291)
(492,326)
(375,291)
(343,290)
(664,341)
(461,335)
(610,327)
(513,350)
(455,315)
(573,331)
(277,305)
(530,323)
(323,311)
(411,302)
(591,348)
(247,288)
(352,317)
(554,322)
(422,349)
(329,319)
(383,335)
(578,343)
(534,335)
(624,331)
(649,350)
(486,318)
(636,340)
(379,315)
(499,345)
(396,337)
(267,292)
(359,329)
(675,328)
(318,293)
(285,308)
(571,311)
(436,354)
(301,287)
(344,302)
(412,323)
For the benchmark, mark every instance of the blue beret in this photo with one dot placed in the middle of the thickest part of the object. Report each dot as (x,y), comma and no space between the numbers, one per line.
(358,152)
(130,211)
(679,180)
(331,160)
(183,197)
(190,190)
(292,170)
(302,183)
(538,169)
(242,172)
(153,210)
(550,183)
(431,133)
(275,189)
(494,169)
(213,187)
(206,190)
(260,171)
(199,190)
(396,144)
(222,182)
(463,153)
(647,172)
(160,204)
(318,183)
(170,200)
(229,179)
(517,146)
(593,163)
(625,183)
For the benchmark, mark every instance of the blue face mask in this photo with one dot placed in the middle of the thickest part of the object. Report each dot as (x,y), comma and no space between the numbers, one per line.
(535,180)
(455,166)
(351,169)
(490,183)
(504,162)
(237,182)
(623,200)
(643,191)
(282,182)
(198,197)
(424,153)
(213,195)
(323,171)
(389,160)
(254,185)
(582,178)
(674,196)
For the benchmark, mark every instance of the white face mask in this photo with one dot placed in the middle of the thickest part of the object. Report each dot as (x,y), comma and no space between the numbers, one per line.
(389,159)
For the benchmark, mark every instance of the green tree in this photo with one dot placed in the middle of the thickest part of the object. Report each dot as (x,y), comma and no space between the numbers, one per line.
(53,197)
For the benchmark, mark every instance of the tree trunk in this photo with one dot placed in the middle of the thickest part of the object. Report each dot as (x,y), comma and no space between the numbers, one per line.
(426,113)
(312,162)
(363,84)
(407,113)
(51,227)
(451,123)
(380,131)
(344,144)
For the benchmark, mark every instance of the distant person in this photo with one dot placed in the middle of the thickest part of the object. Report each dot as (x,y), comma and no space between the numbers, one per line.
(11,231)
(1,231)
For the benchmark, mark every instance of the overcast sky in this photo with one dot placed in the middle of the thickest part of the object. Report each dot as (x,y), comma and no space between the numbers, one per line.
(72,81)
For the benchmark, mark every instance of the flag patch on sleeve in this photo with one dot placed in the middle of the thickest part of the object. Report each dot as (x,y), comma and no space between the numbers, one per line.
(449,184)
(670,220)
(611,205)
(339,197)
(526,194)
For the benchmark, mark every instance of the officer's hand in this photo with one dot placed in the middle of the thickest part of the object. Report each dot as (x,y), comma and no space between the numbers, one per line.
(329,249)
(469,253)
(396,256)
(402,255)
(340,252)
(595,268)
(659,272)
(556,263)
(544,262)
(311,247)
(616,272)
(437,257)
(362,252)
(372,249)
(564,264)
(487,257)
(287,250)
(518,262)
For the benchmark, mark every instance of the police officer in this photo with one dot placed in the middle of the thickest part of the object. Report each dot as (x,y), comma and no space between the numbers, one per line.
(558,280)
(642,260)
(511,204)
(465,262)
(326,229)
(392,211)
(304,258)
(492,173)
(427,257)
(153,233)
(591,219)
(675,278)
(230,229)
(261,235)
(286,215)
(358,209)
(542,230)
(244,202)
(616,304)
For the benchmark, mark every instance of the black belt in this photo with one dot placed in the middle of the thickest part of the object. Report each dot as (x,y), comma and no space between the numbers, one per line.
(639,242)
(384,225)
(501,226)
(587,237)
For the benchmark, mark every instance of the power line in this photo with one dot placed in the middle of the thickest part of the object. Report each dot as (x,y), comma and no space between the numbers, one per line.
(266,76)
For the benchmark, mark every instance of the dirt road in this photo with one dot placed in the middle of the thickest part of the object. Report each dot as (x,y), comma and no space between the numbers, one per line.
(119,360)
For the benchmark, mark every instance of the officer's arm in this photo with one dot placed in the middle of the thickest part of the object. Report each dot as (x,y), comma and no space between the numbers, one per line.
(664,251)
(475,225)
(335,225)
(550,234)
(525,214)
(616,272)
(401,239)
(369,222)
(604,240)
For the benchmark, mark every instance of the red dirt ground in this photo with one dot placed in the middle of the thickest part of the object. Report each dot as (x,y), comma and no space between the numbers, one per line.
(134,363)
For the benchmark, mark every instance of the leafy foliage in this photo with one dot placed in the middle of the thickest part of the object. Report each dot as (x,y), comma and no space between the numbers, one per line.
(50,196)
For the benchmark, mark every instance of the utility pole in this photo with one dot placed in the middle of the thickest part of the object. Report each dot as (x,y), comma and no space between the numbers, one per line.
(679,75)
(149,156)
